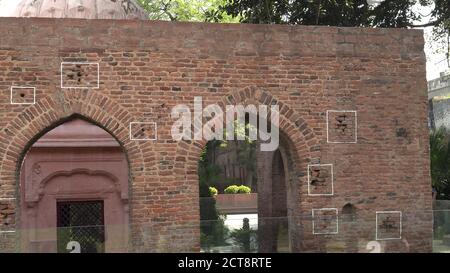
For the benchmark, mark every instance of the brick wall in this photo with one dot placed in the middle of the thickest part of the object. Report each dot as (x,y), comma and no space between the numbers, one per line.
(148,67)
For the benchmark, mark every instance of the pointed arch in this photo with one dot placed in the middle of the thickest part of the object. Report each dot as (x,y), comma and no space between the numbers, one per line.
(302,143)
(46,114)
(299,142)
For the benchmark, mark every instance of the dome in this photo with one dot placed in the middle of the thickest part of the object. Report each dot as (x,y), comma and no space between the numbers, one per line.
(85,9)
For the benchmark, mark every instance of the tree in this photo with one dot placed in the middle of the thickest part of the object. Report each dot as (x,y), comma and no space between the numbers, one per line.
(387,13)
(187,10)
(440,162)
(441,24)
(304,12)
(212,226)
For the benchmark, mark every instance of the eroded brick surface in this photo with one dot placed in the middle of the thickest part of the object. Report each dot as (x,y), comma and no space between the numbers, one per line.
(7,215)
(79,75)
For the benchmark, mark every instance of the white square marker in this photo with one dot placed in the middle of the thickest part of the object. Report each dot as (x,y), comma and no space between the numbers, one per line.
(7,231)
(316,212)
(397,215)
(355,133)
(23,95)
(331,193)
(142,130)
(80,65)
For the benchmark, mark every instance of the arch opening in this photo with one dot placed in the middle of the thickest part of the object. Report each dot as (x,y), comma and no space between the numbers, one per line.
(246,197)
(74,190)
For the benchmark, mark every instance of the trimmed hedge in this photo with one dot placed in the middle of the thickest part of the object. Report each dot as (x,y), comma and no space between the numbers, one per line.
(235,189)
(213,191)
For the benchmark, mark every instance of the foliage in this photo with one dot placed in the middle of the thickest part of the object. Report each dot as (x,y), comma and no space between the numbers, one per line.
(187,10)
(213,191)
(244,189)
(441,25)
(245,237)
(208,210)
(212,227)
(388,13)
(440,162)
(440,15)
(246,149)
(241,131)
(207,171)
(305,12)
(233,189)
(216,234)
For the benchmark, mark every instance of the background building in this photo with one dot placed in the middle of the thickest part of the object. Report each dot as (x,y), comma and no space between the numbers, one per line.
(439,102)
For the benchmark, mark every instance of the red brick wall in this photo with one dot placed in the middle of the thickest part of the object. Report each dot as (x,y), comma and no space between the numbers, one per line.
(148,67)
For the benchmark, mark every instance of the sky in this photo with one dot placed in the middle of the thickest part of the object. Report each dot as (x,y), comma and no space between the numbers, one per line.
(436,62)
(6,6)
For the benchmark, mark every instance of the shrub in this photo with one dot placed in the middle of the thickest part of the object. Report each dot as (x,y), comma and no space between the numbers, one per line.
(213,191)
(233,189)
(244,189)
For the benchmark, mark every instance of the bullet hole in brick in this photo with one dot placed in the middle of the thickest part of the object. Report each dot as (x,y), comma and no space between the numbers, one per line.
(318,178)
(341,125)
(402,132)
(349,212)
(22,95)
(348,209)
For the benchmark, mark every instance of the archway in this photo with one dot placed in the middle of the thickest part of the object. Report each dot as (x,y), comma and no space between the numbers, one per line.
(74,191)
(298,146)
(249,197)
(250,207)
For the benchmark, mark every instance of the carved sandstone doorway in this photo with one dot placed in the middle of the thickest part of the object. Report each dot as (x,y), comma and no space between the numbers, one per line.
(74,188)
